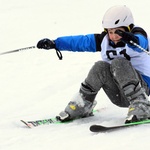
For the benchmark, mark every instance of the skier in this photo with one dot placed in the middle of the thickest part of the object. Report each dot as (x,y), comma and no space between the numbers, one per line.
(123,72)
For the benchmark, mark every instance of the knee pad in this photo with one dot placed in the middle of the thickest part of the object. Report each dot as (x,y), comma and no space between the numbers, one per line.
(123,72)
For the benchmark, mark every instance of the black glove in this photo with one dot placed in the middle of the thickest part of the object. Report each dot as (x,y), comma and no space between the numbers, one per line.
(46,44)
(127,36)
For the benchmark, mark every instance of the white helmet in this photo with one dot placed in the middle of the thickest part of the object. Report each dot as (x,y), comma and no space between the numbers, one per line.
(117,16)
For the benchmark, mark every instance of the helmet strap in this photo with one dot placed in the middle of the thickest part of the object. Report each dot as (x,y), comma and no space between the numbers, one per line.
(130,27)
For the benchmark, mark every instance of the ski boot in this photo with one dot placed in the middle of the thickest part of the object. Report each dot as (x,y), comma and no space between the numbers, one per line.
(139,108)
(77,108)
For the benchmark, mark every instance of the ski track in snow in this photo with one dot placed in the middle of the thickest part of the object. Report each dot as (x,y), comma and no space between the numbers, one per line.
(35,84)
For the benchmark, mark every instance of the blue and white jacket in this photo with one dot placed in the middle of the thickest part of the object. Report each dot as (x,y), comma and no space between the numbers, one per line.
(100,42)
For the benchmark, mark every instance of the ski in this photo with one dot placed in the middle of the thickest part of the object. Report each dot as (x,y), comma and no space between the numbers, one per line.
(54,120)
(100,128)
(36,123)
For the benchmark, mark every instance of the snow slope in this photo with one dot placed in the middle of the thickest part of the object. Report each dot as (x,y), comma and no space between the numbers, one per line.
(34,84)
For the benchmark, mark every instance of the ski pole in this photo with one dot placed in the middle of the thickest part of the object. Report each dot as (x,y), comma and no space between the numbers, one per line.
(59,54)
(17,50)
(141,48)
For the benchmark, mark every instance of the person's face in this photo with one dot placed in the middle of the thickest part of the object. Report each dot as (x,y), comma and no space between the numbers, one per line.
(113,36)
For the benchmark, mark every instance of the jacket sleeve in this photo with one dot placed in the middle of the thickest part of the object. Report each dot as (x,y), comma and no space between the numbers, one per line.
(79,43)
(142,39)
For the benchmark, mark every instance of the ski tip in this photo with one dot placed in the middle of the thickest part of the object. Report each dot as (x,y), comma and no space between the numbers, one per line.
(29,125)
(97,128)
(93,128)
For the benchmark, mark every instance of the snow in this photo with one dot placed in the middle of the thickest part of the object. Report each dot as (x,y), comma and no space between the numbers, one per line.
(35,84)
